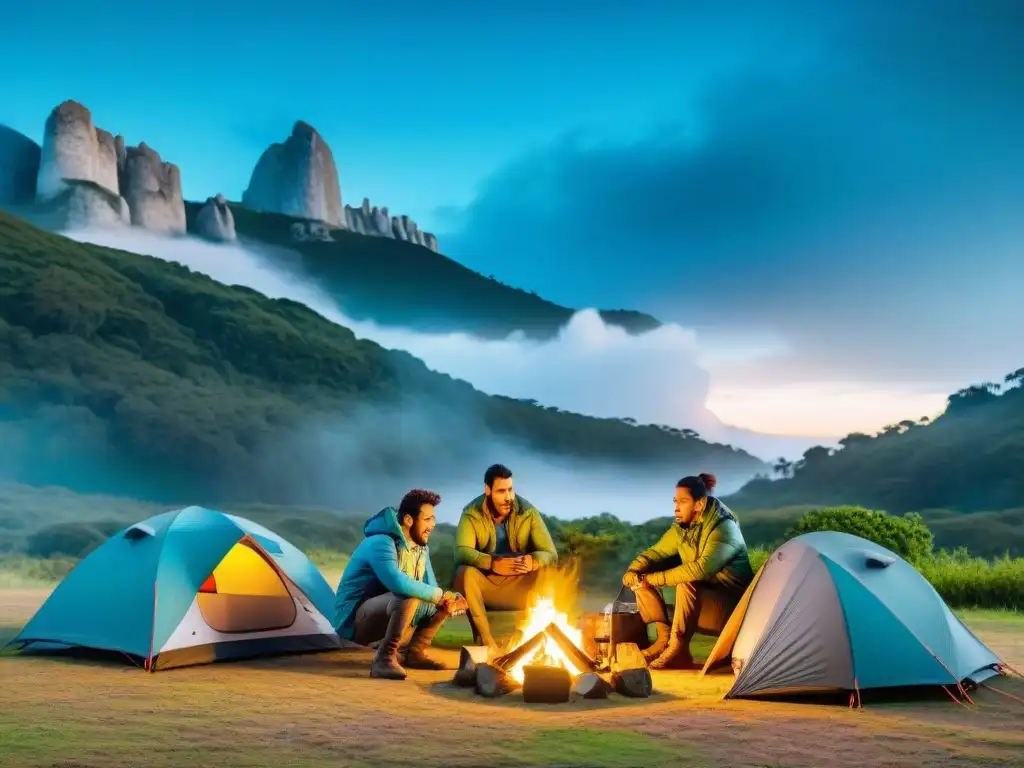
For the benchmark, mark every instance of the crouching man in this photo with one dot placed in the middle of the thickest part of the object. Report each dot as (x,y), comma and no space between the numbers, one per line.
(501,545)
(714,572)
(389,593)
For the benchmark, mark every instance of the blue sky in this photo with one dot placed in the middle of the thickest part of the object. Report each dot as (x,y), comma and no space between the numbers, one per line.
(842,182)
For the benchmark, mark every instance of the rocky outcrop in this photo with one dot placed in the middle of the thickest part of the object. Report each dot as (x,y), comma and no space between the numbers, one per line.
(215,220)
(303,231)
(73,148)
(298,178)
(86,205)
(365,220)
(76,154)
(19,166)
(375,221)
(153,190)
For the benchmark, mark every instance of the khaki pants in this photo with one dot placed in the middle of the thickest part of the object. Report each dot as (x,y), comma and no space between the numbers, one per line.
(489,591)
(700,607)
(373,615)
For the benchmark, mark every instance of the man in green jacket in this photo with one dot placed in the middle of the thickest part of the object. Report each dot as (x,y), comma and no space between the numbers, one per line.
(501,544)
(713,572)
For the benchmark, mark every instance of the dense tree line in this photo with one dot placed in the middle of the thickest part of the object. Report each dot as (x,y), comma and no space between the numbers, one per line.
(967,459)
(130,374)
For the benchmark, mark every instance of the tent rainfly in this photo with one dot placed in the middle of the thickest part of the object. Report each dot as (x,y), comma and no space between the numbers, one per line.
(832,612)
(191,586)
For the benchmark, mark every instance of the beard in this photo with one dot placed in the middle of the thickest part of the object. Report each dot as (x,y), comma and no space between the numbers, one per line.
(419,539)
(496,509)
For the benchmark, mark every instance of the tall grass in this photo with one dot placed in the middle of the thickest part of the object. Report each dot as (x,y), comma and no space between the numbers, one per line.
(21,572)
(962,580)
(965,581)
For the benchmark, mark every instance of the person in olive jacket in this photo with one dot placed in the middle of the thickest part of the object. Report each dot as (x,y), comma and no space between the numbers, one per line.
(501,545)
(713,573)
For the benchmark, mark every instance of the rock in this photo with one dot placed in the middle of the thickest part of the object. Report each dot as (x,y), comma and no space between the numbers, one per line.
(215,220)
(398,227)
(367,220)
(591,685)
(19,167)
(297,177)
(153,190)
(303,231)
(73,148)
(628,656)
(430,241)
(85,205)
(635,683)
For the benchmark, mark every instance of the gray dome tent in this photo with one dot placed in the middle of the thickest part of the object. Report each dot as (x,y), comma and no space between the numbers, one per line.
(833,612)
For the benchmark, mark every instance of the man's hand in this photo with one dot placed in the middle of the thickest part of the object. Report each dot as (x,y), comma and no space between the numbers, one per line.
(458,606)
(632,579)
(506,566)
(452,603)
(526,563)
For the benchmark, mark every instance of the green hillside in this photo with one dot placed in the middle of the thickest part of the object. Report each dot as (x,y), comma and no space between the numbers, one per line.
(128,374)
(969,459)
(396,283)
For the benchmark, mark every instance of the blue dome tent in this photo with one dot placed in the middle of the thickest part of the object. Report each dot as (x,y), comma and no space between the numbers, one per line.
(190,586)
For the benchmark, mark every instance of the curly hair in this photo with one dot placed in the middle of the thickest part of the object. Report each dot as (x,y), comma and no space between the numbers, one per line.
(414,500)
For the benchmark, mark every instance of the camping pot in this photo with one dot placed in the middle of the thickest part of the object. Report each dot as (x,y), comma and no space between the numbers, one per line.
(621,623)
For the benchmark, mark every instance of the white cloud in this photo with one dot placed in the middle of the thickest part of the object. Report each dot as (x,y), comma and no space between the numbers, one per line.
(589,368)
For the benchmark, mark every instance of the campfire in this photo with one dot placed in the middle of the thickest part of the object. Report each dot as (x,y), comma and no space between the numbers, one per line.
(546,659)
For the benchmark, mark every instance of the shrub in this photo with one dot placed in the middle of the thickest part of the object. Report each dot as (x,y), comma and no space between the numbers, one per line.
(965,581)
(907,535)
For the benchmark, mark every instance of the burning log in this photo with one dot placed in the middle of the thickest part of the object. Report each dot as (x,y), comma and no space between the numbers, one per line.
(493,682)
(546,685)
(512,658)
(591,628)
(591,685)
(635,683)
(579,659)
(470,657)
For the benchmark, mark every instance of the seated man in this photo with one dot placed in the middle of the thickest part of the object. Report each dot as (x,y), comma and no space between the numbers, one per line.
(388,591)
(713,574)
(501,544)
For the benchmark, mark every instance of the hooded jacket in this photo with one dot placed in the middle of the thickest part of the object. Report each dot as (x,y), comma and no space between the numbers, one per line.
(383,562)
(476,537)
(711,549)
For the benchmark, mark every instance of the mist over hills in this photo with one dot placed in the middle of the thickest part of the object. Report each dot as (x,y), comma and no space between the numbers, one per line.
(134,375)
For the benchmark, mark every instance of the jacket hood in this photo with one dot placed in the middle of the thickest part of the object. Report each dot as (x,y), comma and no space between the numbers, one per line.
(385,522)
(478,506)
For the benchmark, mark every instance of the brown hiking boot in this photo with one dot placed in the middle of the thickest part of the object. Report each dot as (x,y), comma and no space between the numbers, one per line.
(415,656)
(385,661)
(660,643)
(675,656)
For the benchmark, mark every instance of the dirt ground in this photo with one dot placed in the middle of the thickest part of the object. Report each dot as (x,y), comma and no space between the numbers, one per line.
(323,709)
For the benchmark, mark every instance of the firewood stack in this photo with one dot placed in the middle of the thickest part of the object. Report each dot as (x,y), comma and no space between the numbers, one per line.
(545,683)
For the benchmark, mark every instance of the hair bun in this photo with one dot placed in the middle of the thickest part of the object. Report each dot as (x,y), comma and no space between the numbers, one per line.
(709,480)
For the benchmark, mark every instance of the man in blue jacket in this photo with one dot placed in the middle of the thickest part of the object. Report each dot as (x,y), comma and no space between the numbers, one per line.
(388,591)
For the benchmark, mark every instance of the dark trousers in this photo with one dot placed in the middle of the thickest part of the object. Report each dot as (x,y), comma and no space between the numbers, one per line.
(700,607)
(372,616)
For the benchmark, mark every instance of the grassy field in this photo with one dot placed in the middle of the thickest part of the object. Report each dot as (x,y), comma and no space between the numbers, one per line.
(324,710)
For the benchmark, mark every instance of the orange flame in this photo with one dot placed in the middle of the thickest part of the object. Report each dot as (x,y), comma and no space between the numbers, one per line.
(544,609)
